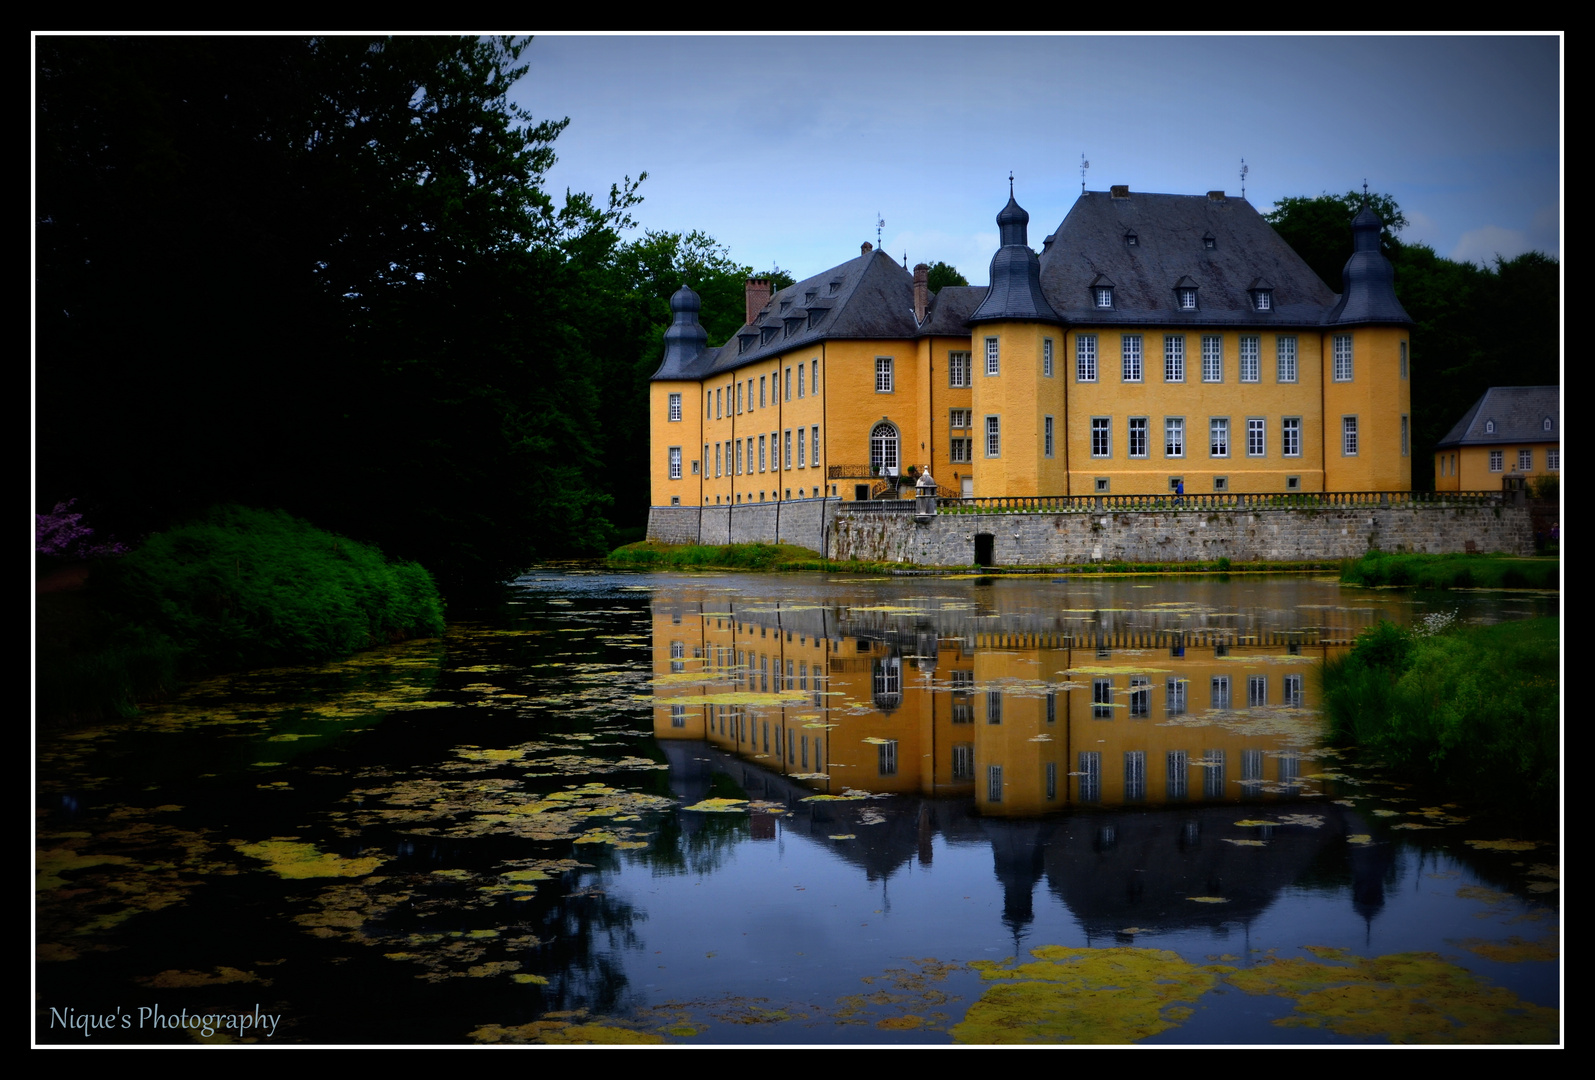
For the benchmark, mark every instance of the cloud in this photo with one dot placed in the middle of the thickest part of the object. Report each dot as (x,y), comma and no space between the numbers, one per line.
(1483,245)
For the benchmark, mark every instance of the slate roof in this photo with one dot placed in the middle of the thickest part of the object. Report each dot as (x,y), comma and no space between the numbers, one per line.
(950,310)
(873,298)
(1015,291)
(1170,232)
(1368,278)
(1519,413)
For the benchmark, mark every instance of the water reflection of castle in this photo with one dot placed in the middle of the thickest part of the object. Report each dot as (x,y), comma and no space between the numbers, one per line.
(897,700)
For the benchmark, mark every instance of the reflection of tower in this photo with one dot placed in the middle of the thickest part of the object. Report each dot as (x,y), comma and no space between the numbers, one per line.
(1017,849)
(1371,865)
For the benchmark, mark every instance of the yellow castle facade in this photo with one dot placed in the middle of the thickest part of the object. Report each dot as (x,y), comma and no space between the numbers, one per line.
(1156,343)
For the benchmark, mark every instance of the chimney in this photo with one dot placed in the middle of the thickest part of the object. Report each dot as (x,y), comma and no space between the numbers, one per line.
(866,248)
(921,292)
(1120,191)
(758,295)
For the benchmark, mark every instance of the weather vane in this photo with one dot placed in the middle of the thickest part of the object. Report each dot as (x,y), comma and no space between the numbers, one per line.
(1084,165)
(1245,168)
(880,223)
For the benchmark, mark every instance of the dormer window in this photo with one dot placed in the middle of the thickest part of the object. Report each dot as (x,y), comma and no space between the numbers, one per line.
(1209,242)
(1187,298)
(1489,427)
(745,342)
(1104,296)
(817,316)
(1131,239)
(784,305)
(1262,299)
(1547,423)
(767,334)
(836,286)
(809,295)
(793,324)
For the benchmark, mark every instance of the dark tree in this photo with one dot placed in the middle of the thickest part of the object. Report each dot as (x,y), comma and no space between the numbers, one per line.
(942,275)
(1319,229)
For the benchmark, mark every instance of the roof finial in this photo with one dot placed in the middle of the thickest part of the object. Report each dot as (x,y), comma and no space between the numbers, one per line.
(1084,165)
(880,223)
(1245,168)
(1010,183)
(1365,191)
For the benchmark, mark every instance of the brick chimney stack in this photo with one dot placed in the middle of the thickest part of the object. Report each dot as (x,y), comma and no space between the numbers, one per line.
(758,295)
(865,248)
(921,292)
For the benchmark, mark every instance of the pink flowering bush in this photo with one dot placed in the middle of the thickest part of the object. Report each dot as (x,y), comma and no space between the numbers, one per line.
(63,535)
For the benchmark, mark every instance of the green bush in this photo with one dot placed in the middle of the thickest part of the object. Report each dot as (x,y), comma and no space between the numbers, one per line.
(1472,710)
(242,588)
(1455,571)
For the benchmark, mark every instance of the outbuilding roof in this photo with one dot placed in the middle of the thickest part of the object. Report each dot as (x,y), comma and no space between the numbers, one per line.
(1509,414)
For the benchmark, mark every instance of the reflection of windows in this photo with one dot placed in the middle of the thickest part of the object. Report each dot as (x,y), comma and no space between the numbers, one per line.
(1140,695)
(1090,775)
(963,699)
(1220,698)
(1102,699)
(888,682)
(1134,775)
(1052,706)
(1178,765)
(678,716)
(993,706)
(1251,766)
(963,761)
(1213,780)
(1256,691)
(994,783)
(1175,690)
(1289,768)
(888,757)
(1293,690)
(678,652)
(1052,780)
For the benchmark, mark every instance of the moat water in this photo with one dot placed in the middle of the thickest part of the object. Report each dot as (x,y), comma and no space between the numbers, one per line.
(793,809)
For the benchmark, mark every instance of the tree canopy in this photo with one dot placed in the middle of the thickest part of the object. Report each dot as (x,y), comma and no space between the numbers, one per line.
(942,275)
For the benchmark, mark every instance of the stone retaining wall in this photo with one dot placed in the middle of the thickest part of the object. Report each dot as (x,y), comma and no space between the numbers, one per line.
(794,521)
(1026,539)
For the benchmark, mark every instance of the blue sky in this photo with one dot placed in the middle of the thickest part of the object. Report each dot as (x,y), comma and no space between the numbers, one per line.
(785,149)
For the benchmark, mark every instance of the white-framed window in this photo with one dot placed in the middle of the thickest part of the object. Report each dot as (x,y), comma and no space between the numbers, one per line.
(1348,436)
(1177,768)
(1173,357)
(1256,691)
(1140,695)
(786,456)
(1553,460)
(1085,358)
(695,465)
(739,457)
(814,375)
(675,463)
(1212,358)
(993,436)
(800,441)
(957,369)
(761,453)
(1285,358)
(1134,775)
(1497,460)
(739,396)
(1090,775)
(717,459)
(994,783)
(1218,437)
(1046,357)
(1131,350)
(1293,691)
(1104,296)
(1342,358)
(887,763)
(1251,367)
(1256,441)
(775,451)
(991,356)
(814,446)
(1101,436)
(1403,359)
(1405,450)
(761,390)
(1263,299)
(1290,436)
(993,706)
(1174,436)
(1525,458)
(1138,427)
(1174,695)
(789,384)
(717,412)
(1046,436)
(675,407)
(883,374)
(883,449)
(1102,699)
(800,380)
(961,450)
(1220,692)
(1187,299)
(963,761)
(959,419)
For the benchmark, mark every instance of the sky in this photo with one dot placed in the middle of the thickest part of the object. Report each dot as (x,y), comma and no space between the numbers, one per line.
(788,149)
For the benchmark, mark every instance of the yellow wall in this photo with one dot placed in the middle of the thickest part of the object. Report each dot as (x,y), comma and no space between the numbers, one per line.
(1467,468)
(1378,396)
(686,433)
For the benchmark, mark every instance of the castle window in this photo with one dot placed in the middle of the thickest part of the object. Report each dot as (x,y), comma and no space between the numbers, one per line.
(1209,242)
(883,450)
(836,286)
(1251,347)
(1262,300)
(1101,436)
(1546,424)
(1187,299)
(1285,359)
(1174,358)
(1174,436)
(1525,459)
(1131,349)
(1046,357)
(1131,239)
(1256,438)
(958,419)
(1489,427)
(994,436)
(695,467)
(1343,368)
(1553,460)
(1085,358)
(1403,359)
(1404,450)
(961,450)
(957,369)
(1104,296)
(814,447)
(1497,460)
(1212,358)
(1290,436)
(1348,436)
(675,463)
(883,375)
(991,356)
(675,407)
(784,305)
(1046,436)
(1218,437)
(1138,426)
(767,334)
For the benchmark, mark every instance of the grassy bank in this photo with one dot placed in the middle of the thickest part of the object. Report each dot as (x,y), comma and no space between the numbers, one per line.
(237,588)
(655,556)
(1453,571)
(1472,711)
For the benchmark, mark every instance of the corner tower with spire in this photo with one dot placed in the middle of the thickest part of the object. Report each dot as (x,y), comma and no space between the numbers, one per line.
(1019,393)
